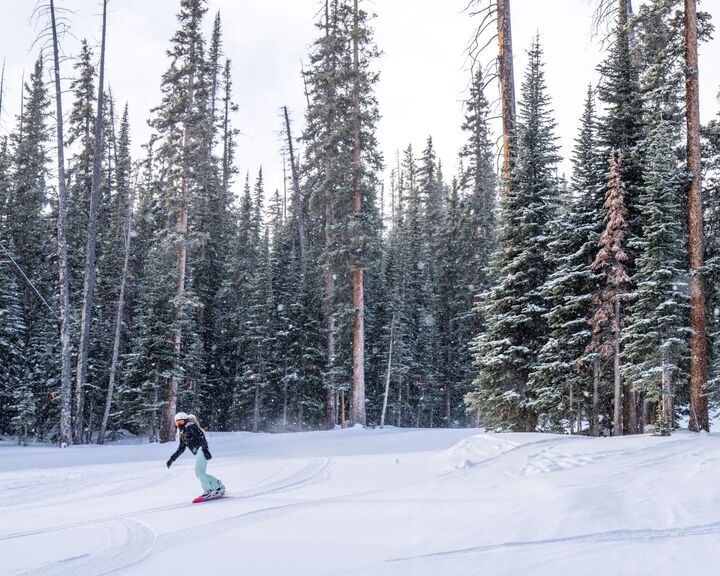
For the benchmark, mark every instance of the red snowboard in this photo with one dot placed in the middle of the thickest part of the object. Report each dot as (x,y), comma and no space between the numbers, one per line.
(201,499)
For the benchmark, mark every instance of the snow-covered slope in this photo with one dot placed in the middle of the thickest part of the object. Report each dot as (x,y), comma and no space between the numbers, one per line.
(369,502)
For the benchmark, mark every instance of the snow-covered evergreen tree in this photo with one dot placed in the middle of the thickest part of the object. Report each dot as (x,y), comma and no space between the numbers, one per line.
(516,329)
(622,126)
(30,230)
(711,189)
(655,339)
(564,373)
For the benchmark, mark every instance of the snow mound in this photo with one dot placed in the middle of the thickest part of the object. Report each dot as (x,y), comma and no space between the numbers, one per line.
(475,450)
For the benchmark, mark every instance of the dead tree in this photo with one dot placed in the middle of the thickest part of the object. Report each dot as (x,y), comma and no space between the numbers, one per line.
(297,195)
(65,378)
(611,261)
(498,12)
(89,288)
(118,316)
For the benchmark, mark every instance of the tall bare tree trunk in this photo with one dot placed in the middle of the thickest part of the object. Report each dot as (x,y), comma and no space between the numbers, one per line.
(698,346)
(118,319)
(89,289)
(507,81)
(388,373)
(618,396)
(357,411)
(66,382)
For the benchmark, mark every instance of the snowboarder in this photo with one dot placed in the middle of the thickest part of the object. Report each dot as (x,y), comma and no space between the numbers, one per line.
(193,437)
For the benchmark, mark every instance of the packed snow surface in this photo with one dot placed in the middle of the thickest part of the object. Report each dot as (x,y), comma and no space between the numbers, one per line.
(368,502)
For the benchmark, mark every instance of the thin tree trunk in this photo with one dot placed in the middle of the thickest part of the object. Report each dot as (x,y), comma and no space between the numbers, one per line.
(594,411)
(2,85)
(698,346)
(342,408)
(297,195)
(357,414)
(617,404)
(256,406)
(448,406)
(630,420)
(66,382)
(388,373)
(399,409)
(572,414)
(579,417)
(507,81)
(167,429)
(89,289)
(285,407)
(118,319)
(666,402)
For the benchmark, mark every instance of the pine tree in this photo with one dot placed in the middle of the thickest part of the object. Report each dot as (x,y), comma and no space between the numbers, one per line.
(711,160)
(343,186)
(81,137)
(564,373)
(181,126)
(611,261)
(506,353)
(622,126)
(12,347)
(656,336)
(30,231)
(470,236)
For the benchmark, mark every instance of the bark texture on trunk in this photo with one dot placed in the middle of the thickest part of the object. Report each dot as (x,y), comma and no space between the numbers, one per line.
(507,80)
(89,288)
(66,432)
(698,346)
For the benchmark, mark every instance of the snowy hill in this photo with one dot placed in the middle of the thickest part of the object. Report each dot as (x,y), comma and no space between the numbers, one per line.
(368,502)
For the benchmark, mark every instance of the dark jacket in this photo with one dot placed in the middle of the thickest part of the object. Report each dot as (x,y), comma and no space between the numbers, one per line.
(192,437)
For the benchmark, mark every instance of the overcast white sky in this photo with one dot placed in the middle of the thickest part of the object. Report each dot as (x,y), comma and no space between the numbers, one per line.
(424,68)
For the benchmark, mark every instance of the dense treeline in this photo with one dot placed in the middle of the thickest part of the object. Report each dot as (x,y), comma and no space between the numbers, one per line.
(532,303)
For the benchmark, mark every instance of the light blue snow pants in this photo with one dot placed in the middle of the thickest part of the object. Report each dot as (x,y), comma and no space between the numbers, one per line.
(208,482)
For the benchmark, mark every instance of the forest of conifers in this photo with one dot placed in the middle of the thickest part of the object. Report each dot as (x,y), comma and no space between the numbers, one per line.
(510,298)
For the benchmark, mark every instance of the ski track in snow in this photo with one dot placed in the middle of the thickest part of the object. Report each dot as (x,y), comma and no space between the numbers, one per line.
(313,472)
(139,541)
(76,484)
(597,537)
(135,545)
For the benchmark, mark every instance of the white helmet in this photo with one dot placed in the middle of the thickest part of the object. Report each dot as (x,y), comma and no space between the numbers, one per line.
(181,416)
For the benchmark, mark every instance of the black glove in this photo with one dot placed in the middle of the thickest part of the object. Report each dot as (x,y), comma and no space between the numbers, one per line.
(207,454)
(169,462)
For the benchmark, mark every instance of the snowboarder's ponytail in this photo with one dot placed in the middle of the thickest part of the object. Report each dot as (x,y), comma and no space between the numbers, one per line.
(192,418)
